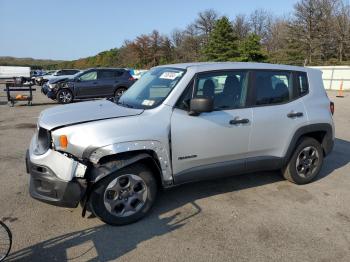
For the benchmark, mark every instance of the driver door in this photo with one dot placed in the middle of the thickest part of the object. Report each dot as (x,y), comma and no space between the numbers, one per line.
(87,85)
(215,142)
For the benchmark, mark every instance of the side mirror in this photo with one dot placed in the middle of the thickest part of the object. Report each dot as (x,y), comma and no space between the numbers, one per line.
(77,79)
(201,105)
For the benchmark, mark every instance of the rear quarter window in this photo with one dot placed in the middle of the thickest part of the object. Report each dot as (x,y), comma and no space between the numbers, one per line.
(302,84)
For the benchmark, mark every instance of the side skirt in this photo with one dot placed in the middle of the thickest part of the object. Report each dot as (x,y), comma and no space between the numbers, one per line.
(228,168)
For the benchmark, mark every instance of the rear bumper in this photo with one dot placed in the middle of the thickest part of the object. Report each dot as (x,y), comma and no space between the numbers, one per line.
(45,186)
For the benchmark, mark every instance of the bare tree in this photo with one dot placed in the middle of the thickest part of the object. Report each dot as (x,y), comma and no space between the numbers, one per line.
(305,26)
(342,30)
(241,26)
(260,21)
(206,21)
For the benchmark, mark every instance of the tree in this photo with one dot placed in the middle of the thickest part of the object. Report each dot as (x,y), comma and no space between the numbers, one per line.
(260,22)
(205,23)
(222,44)
(342,31)
(250,49)
(241,27)
(305,27)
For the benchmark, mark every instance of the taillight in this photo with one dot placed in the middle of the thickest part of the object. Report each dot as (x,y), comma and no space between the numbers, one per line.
(131,78)
(331,107)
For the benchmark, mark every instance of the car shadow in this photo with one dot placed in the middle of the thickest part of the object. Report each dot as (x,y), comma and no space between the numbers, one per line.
(339,157)
(105,242)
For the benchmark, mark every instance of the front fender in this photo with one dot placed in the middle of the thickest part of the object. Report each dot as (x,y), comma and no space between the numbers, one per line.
(94,155)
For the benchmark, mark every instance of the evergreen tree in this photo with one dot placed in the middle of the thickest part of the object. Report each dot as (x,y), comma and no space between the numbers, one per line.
(250,49)
(222,43)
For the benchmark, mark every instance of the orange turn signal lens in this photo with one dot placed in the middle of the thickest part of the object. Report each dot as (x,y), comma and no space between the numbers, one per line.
(63,141)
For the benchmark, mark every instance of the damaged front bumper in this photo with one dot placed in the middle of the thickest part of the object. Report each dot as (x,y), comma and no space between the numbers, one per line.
(55,178)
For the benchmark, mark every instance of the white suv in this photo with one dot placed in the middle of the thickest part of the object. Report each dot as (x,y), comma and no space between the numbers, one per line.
(177,124)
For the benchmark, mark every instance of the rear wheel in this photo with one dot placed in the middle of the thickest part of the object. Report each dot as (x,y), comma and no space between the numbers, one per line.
(119,92)
(305,163)
(64,96)
(125,196)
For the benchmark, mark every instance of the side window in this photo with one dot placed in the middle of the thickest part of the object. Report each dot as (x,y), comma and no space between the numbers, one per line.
(118,73)
(71,72)
(228,89)
(303,85)
(273,87)
(105,74)
(90,76)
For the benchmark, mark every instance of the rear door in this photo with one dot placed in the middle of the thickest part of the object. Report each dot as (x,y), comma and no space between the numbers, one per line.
(106,80)
(216,138)
(278,112)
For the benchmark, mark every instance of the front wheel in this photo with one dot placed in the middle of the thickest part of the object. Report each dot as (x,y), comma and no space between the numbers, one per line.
(124,196)
(305,163)
(64,96)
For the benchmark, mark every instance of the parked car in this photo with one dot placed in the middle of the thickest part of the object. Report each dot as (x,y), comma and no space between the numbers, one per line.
(92,83)
(177,124)
(58,74)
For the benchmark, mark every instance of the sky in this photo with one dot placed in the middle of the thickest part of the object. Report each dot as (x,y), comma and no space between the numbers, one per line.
(72,29)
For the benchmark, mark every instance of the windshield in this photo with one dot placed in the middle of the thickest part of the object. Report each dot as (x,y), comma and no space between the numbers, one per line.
(152,88)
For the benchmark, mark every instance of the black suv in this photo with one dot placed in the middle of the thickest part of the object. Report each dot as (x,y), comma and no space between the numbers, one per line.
(91,83)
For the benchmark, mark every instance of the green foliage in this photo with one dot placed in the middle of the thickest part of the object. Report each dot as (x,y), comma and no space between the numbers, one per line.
(250,49)
(222,42)
(33,63)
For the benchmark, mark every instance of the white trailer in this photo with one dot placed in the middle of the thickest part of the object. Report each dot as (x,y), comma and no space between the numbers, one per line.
(9,72)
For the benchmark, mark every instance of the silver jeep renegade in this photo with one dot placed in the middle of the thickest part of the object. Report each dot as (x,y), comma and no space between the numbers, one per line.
(177,124)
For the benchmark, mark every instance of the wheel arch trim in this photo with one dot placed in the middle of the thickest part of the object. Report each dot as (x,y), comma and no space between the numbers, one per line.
(327,142)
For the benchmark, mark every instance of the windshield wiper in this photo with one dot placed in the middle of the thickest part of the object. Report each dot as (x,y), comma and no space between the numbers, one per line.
(125,105)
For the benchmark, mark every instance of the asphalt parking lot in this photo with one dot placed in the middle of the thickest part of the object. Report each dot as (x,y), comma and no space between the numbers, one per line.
(256,217)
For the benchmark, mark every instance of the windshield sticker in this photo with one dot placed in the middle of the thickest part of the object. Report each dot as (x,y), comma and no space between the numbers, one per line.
(170,75)
(148,102)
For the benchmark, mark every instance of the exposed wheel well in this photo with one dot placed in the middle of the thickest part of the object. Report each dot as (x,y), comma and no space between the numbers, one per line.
(322,132)
(152,162)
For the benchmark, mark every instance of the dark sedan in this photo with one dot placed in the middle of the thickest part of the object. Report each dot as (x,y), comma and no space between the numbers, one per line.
(91,83)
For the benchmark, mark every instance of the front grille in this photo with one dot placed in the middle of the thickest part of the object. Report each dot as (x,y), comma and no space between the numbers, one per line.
(43,141)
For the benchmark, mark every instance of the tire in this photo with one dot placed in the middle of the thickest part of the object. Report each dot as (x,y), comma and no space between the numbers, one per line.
(64,96)
(114,207)
(305,163)
(5,241)
(119,92)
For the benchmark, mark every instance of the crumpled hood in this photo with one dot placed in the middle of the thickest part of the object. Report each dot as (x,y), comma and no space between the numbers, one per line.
(59,79)
(82,112)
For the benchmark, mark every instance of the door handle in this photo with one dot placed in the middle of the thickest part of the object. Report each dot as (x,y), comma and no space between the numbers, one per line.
(238,121)
(95,83)
(295,114)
